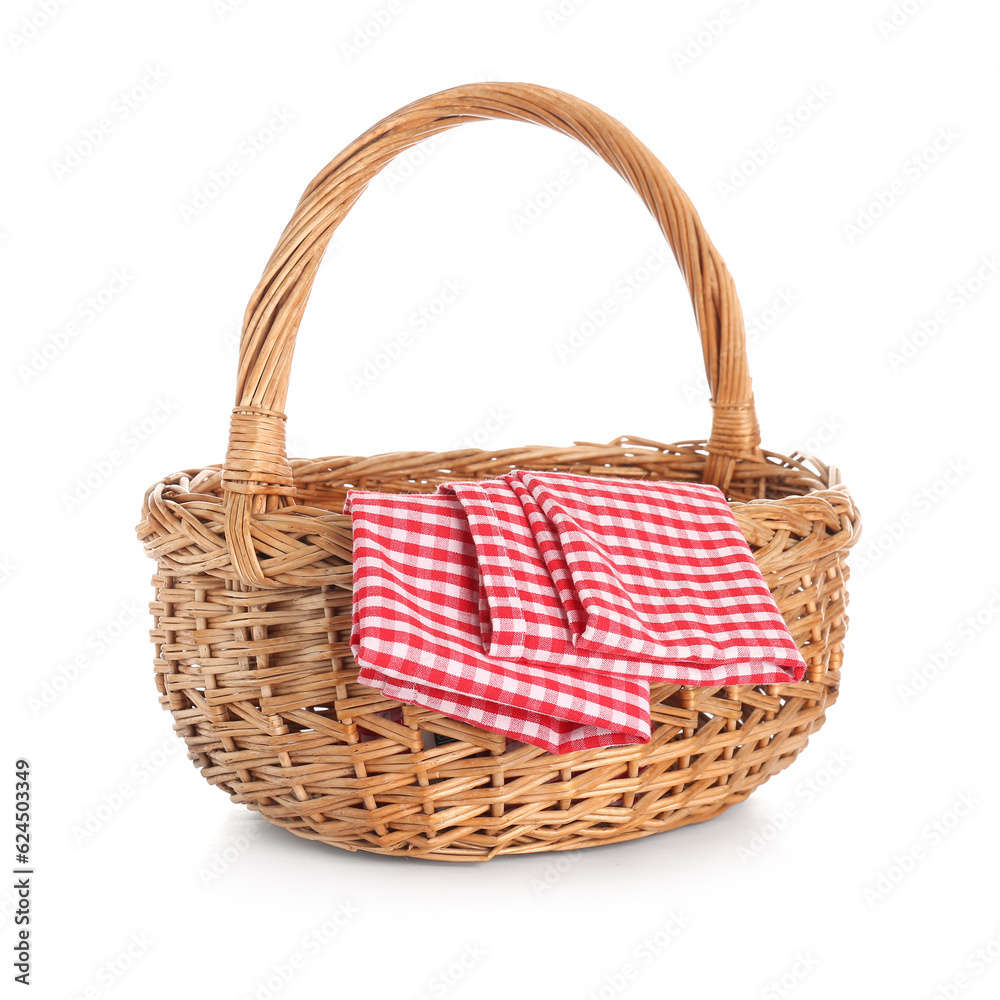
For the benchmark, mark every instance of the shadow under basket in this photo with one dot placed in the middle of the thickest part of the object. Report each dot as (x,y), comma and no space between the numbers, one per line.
(252,611)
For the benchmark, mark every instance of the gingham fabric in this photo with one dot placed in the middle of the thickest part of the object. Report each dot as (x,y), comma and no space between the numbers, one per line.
(540,605)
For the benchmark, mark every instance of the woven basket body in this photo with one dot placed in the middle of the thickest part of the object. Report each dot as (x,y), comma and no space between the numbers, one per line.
(252,612)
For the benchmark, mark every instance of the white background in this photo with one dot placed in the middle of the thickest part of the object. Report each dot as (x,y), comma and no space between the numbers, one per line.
(883,874)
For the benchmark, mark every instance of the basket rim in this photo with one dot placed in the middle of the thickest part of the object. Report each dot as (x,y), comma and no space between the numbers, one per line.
(183,514)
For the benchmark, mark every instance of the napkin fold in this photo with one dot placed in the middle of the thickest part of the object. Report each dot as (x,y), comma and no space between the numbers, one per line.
(540,605)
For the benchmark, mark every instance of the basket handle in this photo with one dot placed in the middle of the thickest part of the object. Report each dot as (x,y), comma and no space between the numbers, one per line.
(257,477)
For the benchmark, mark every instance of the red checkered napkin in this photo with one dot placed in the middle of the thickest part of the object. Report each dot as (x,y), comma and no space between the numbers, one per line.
(537,605)
(417,637)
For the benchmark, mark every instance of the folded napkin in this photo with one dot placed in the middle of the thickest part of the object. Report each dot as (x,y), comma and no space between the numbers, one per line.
(540,605)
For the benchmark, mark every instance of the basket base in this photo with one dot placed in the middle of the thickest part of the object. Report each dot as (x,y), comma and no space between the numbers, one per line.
(676,824)
(695,800)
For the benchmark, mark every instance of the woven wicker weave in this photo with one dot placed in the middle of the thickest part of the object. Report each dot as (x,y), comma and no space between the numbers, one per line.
(253,587)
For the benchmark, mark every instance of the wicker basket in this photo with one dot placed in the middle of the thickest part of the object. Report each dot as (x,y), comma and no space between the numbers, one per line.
(253,586)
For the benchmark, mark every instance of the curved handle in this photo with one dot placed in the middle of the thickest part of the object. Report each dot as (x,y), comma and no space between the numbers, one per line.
(257,476)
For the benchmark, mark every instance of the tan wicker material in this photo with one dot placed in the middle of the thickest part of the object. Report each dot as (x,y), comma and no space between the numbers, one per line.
(253,586)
